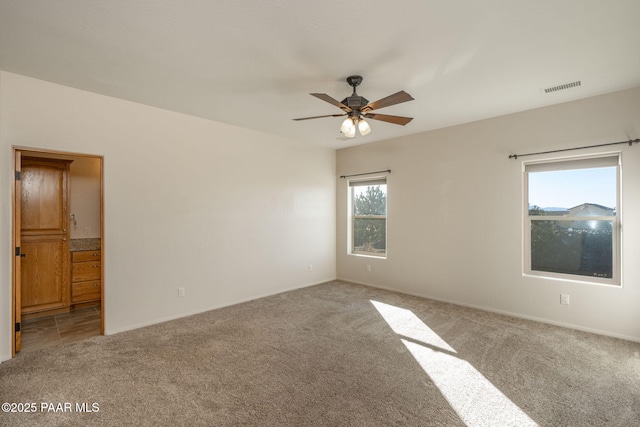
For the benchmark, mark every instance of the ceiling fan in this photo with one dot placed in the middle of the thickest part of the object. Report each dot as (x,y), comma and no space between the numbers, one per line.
(357,108)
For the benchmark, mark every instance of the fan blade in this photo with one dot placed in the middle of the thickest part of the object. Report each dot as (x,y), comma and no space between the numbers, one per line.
(319,117)
(331,101)
(396,120)
(394,99)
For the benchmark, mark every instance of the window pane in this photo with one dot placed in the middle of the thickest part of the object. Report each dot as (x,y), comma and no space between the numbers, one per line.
(370,235)
(370,200)
(577,192)
(572,247)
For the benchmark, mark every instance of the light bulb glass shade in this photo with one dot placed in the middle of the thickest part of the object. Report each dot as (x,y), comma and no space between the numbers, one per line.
(347,125)
(363,127)
(351,132)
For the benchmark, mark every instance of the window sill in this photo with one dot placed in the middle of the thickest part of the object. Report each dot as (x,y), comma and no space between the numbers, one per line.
(366,255)
(573,279)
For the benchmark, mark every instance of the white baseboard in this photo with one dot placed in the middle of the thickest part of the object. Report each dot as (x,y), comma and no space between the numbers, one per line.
(504,312)
(204,310)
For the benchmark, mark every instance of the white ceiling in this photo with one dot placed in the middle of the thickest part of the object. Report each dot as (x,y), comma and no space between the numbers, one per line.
(253,63)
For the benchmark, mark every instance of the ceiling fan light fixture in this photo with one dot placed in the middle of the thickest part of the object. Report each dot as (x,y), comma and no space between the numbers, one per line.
(363,127)
(357,107)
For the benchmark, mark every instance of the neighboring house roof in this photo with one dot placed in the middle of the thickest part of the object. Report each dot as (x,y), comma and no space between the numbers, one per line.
(594,205)
(591,208)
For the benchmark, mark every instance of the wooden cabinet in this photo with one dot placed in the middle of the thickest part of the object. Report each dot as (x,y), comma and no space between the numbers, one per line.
(85,276)
(44,273)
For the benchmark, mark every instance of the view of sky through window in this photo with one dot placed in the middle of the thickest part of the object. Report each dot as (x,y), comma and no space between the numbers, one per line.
(569,188)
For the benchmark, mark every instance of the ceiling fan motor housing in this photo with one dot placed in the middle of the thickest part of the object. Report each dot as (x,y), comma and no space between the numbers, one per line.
(355,102)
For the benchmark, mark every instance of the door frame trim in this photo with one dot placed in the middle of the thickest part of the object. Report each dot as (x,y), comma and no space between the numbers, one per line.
(15,240)
(32,151)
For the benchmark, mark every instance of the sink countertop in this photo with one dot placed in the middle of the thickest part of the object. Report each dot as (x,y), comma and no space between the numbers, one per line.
(91,244)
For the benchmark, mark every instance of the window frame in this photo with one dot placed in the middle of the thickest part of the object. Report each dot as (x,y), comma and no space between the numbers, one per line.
(365,182)
(616,221)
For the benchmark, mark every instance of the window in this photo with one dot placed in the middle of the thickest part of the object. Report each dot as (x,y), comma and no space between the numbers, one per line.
(368,217)
(572,219)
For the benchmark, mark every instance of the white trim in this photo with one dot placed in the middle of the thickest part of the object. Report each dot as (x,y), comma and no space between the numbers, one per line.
(570,278)
(364,182)
(368,254)
(574,162)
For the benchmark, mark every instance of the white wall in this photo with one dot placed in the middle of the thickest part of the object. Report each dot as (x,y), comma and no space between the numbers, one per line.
(84,197)
(230,214)
(455,203)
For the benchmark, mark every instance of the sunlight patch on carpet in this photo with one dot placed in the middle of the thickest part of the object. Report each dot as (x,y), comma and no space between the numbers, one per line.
(476,401)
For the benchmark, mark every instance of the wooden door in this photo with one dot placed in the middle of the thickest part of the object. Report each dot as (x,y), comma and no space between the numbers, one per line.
(44,242)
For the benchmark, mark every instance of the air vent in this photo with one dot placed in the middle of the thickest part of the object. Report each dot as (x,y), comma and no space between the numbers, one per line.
(562,87)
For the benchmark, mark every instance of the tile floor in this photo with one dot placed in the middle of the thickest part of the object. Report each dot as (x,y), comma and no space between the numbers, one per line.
(45,332)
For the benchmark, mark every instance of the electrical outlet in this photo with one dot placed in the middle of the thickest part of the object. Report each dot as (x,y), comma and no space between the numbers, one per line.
(310,267)
(181,292)
(564,299)
(87,231)
(369,268)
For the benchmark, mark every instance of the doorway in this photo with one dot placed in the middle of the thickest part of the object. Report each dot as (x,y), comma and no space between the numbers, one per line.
(58,234)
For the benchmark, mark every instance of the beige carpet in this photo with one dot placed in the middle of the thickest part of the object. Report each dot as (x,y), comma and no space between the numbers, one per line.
(335,354)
